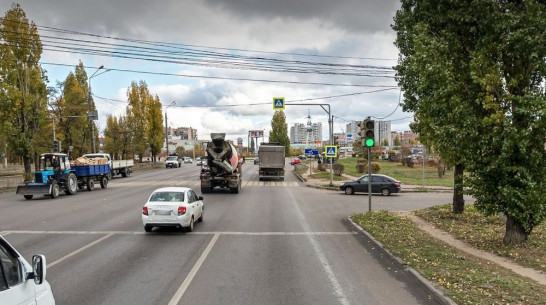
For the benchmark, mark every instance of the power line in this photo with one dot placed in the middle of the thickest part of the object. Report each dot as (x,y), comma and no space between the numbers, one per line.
(237,78)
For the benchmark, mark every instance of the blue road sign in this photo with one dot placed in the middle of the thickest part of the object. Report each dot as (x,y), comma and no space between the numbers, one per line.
(330,151)
(278,103)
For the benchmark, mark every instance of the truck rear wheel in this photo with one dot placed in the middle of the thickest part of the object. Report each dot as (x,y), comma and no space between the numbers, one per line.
(90,184)
(126,173)
(103,182)
(71,186)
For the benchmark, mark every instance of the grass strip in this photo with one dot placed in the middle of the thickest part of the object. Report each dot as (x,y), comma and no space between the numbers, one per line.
(462,277)
(486,233)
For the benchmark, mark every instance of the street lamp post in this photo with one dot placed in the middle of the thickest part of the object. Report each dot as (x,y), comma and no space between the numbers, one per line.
(92,117)
(166,129)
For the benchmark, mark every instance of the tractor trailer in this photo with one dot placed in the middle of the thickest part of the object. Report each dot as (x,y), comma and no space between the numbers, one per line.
(56,174)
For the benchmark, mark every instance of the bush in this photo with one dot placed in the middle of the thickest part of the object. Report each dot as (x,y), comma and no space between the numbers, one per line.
(362,161)
(376,167)
(338,169)
(360,168)
(322,167)
(432,162)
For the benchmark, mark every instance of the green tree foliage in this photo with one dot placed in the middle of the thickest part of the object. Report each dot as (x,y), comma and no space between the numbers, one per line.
(113,137)
(155,122)
(279,131)
(474,76)
(136,116)
(144,119)
(23,94)
(72,116)
(118,138)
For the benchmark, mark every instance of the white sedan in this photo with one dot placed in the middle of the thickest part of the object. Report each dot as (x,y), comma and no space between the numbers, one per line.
(172,207)
(21,283)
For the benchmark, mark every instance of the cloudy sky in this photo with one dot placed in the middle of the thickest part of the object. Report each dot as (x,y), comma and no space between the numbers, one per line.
(223,61)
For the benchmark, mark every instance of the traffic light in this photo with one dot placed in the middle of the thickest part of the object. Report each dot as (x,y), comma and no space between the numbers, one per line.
(369,132)
(56,146)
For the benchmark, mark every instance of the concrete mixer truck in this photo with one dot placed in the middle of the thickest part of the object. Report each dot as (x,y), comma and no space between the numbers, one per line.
(223,168)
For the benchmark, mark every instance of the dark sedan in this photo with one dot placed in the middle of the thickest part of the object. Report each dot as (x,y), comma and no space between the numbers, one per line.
(382,184)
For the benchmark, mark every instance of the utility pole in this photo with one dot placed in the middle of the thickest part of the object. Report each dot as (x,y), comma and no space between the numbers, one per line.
(166,128)
(91,113)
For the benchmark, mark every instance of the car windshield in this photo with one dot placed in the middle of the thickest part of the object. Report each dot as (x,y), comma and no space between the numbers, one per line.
(167,196)
(171,158)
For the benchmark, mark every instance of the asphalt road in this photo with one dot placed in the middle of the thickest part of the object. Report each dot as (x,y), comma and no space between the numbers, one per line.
(273,243)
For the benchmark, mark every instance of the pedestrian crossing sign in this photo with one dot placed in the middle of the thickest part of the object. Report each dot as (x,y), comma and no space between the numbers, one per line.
(278,103)
(330,151)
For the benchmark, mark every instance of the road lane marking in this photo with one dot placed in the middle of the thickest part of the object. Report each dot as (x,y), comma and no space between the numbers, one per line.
(180,233)
(338,290)
(180,292)
(78,251)
(197,183)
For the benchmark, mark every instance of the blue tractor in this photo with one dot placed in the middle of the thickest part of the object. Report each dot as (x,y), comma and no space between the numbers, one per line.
(53,175)
(56,174)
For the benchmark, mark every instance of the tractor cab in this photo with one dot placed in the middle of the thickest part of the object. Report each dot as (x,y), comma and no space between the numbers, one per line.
(52,165)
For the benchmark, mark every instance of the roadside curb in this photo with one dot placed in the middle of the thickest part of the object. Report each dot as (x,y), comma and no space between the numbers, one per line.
(416,276)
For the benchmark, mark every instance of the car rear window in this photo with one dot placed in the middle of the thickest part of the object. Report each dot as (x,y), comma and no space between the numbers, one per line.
(167,196)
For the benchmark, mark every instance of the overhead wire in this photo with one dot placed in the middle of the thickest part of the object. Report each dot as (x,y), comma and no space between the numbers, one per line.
(197,55)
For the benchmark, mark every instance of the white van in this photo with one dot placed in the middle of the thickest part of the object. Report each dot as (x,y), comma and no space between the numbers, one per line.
(21,283)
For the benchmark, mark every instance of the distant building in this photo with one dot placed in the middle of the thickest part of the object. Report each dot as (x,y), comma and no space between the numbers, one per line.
(404,137)
(383,132)
(300,134)
(185,133)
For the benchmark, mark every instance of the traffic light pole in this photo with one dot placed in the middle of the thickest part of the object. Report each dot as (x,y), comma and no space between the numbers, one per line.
(369,180)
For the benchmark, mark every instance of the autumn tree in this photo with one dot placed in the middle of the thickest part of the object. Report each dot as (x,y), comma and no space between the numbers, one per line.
(154,117)
(23,94)
(474,76)
(72,118)
(112,137)
(279,131)
(144,119)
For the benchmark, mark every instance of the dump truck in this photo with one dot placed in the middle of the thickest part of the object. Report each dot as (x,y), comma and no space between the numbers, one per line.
(223,168)
(271,161)
(117,167)
(56,174)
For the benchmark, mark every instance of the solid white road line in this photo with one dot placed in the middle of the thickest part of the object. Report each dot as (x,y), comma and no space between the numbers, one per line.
(78,251)
(338,291)
(180,292)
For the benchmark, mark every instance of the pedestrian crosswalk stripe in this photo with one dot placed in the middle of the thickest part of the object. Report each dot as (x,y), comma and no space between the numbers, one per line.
(193,183)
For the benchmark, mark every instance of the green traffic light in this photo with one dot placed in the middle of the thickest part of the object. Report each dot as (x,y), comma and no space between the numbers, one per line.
(369,142)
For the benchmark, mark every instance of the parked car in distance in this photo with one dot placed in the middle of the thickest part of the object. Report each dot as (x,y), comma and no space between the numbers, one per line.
(21,283)
(187,160)
(382,184)
(256,160)
(172,207)
(173,162)
(295,161)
